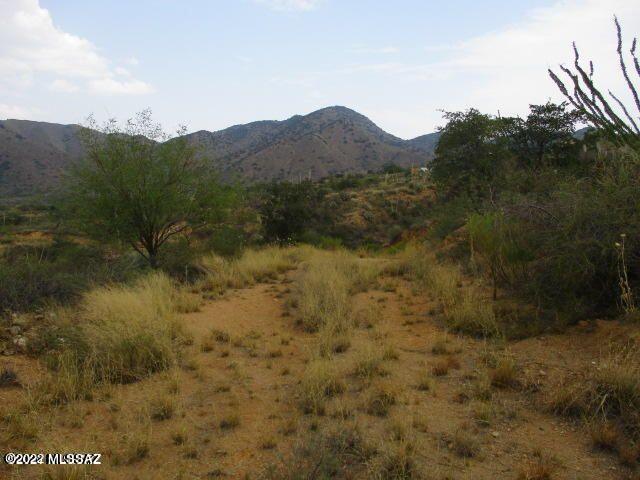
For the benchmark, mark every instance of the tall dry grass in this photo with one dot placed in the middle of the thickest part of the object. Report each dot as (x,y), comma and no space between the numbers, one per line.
(466,308)
(252,267)
(119,334)
(326,285)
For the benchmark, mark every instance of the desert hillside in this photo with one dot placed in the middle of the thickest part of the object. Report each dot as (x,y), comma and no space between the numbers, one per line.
(330,141)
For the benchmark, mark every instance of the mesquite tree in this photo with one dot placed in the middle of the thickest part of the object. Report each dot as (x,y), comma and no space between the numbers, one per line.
(622,128)
(138,186)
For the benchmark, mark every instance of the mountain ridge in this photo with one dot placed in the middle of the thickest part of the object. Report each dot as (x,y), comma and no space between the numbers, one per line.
(325,142)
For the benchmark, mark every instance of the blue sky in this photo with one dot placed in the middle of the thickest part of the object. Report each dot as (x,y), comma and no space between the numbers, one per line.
(211,64)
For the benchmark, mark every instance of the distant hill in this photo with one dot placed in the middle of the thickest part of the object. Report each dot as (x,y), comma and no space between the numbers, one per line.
(33,155)
(325,142)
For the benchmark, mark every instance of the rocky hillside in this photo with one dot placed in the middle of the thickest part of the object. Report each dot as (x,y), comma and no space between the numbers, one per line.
(33,155)
(328,141)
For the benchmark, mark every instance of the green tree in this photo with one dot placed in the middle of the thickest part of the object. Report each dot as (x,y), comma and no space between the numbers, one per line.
(138,186)
(286,209)
(546,135)
(471,151)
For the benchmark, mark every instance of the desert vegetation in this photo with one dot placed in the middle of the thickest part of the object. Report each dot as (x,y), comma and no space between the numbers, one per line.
(476,322)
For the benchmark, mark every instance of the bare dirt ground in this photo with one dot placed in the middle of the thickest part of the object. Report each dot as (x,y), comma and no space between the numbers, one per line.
(233,406)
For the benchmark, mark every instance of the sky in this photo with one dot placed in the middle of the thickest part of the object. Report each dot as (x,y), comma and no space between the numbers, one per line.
(210,64)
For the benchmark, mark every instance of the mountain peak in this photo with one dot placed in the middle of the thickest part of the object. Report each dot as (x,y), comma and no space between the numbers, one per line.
(329,141)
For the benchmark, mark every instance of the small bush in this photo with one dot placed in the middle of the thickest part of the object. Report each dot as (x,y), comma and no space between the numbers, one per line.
(472,315)
(119,335)
(230,421)
(32,277)
(465,444)
(162,408)
(368,364)
(321,380)
(505,374)
(604,436)
(381,399)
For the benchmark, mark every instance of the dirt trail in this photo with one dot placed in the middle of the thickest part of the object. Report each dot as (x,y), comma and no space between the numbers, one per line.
(251,378)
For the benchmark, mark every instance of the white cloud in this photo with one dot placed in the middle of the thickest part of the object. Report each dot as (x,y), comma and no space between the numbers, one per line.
(506,69)
(511,64)
(64,86)
(290,5)
(14,111)
(32,46)
(112,86)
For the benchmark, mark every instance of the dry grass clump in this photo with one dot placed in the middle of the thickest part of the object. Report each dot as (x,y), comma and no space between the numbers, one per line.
(425,382)
(323,297)
(609,398)
(465,309)
(441,367)
(185,301)
(472,314)
(611,391)
(443,345)
(120,334)
(380,399)
(604,435)
(20,427)
(230,421)
(483,413)
(130,332)
(327,453)
(615,387)
(567,398)
(136,448)
(324,290)
(321,380)
(465,444)
(162,408)
(542,467)
(253,266)
(505,374)
(368,316)
(395,461)
(368,363)
(439,280)
(331,342)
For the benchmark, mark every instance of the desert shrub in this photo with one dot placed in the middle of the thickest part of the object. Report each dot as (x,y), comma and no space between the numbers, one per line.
(608,395)
(286,209)
(227,241)
(31,277)
(321,380)
(331,453)
(562,249)
(491,238)
(178,258)
(119,335)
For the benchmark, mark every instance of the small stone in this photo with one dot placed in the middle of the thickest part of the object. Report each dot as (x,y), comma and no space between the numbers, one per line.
(495,434)
(542,373)
(15,330)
